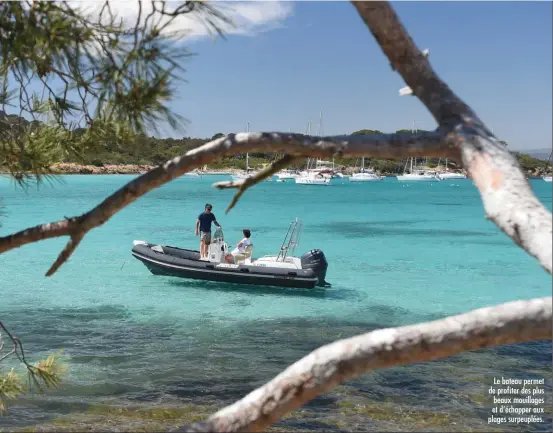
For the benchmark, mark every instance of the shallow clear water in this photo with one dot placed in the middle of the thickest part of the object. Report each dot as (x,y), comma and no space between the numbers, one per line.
(397,253)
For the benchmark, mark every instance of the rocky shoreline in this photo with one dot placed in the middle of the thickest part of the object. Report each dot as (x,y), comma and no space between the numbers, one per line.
(73,168)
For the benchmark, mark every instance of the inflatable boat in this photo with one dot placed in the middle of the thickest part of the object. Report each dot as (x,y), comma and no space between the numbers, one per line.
(283,270)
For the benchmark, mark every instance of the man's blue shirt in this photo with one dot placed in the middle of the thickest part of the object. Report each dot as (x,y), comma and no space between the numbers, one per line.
(205,221)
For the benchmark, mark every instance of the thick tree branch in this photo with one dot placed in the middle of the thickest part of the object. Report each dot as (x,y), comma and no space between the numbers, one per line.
(507,196)
(298,145)
(330,365)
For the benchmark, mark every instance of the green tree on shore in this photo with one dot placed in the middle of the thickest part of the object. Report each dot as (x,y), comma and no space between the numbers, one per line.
(102,80)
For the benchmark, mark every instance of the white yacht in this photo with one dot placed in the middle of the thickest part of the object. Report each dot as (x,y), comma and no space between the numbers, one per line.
(417,175)
(450,174)
(286,175)
(313,176)
(313,179)
(365,175)
(318,174)
(548,178)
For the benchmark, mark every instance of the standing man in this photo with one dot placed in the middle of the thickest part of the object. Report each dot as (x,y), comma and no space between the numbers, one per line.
(204,225)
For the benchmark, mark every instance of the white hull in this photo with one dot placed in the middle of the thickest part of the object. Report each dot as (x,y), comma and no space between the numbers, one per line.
(286,177)
(547,178)
(365,177)
(417,178)
(237,177)
(446,176)
(192,174)
(312,181)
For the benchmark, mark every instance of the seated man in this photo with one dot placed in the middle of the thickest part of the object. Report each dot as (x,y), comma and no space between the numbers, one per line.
(240,247)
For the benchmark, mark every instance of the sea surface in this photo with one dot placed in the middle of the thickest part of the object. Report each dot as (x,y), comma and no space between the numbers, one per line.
(148,353)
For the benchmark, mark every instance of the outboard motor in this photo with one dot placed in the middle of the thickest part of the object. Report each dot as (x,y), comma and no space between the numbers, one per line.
(316,260)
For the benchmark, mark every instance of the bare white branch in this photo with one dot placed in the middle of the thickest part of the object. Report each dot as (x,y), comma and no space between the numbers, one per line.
(506,194)
(330,365)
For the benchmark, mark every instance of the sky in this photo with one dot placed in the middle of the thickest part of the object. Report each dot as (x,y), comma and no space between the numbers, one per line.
(285,62)
(291,60)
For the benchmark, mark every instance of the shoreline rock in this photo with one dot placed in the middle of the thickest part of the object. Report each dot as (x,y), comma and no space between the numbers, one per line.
(74,168)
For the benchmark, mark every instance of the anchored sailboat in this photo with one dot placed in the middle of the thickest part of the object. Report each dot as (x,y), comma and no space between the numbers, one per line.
(317,175)
(249,172)
(365,175)
(415,174)
(450,174)
(548,178)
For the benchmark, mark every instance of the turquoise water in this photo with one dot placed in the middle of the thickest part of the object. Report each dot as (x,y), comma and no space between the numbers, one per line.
(398,254)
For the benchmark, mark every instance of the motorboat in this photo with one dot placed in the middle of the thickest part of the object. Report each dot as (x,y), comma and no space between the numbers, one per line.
(283,269)
(547,178)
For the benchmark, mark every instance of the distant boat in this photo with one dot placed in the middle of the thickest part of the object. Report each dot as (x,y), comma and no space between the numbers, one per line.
(246,173)
(249,172)
(284,175)
(415,175)
(450,175)
(313,179)
(548,178)
(365,175)
(192,174)
(319,174)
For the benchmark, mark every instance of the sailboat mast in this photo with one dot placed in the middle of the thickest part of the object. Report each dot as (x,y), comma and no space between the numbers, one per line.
(413,131)
(247,154)
(320,133)
(308,133)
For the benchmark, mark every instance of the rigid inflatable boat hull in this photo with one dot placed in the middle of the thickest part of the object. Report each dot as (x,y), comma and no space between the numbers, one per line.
(183,263)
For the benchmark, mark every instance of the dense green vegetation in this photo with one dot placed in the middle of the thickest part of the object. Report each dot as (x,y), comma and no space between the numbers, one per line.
(149,150)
